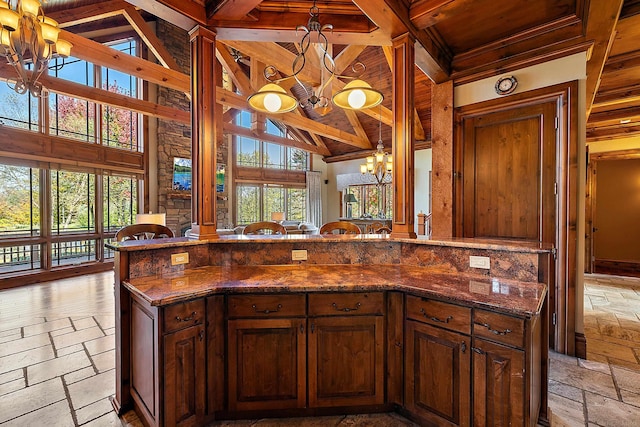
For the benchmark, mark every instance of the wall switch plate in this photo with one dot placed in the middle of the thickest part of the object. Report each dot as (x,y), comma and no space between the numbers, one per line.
(181,258)
(480,262)
(299,255)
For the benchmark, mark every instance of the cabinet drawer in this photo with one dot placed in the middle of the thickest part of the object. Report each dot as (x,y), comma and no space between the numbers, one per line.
(499,327)
(271,305)
(445,315)
(348,303)
(181,315)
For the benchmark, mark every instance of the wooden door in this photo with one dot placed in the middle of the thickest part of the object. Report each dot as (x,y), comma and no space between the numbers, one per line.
(437,375)
(498,385)
(267,364)
(346,361)
(509,178)
(184,376)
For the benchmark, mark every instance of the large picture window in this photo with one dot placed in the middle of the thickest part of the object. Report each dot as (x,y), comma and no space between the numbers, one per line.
(372,201)
(256,202)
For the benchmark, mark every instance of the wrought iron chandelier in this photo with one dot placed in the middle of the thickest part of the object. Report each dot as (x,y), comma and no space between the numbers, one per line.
(380,163)
(356,95)
(28,36)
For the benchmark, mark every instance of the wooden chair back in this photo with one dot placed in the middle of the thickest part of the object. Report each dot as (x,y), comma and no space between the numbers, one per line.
(371,228)
(264,227)
(342,227)
(382,230)
(143,232)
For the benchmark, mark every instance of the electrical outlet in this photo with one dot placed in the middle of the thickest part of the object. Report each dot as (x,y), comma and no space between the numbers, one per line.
(480,262)
(181,258)
(299,255)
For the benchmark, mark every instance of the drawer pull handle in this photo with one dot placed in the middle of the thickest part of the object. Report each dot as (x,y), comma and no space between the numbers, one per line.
(463,347)
(435,319)
(186,319)
(201,335)
(495,331)
(346,309)
(267,311)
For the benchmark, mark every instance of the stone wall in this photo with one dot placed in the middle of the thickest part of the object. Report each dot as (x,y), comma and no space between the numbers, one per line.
(174,139)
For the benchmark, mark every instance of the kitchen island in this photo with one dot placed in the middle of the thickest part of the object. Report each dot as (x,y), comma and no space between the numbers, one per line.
(364,324)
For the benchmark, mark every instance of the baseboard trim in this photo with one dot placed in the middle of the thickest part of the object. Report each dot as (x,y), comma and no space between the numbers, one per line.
(622,268)
(581,345)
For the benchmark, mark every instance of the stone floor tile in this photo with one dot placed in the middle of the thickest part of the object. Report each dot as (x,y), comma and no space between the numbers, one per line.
(575,376)
(16,335)
(105,361)
(107,420)
(57,367)
(31,398)
(11,376)
(375,420)
(92,389)
(93,411)
(566,391)
(68,350)
(100,345)
(610,349)
(55,415)
(565,412)
(18,322)
(12,386)
(595,366)
(41,328)
(631,398)
(626,379)
(327,421)
(611,413)
(78,337)
(26,358)
(22,344)
(554,356)
(110,331)
(106,321)
(10,332)
(62,331)
(84,323)
(597,357)
(81,374)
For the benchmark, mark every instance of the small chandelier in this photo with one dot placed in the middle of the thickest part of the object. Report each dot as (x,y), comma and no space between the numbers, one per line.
(27,36)
(380,163)
(356,95)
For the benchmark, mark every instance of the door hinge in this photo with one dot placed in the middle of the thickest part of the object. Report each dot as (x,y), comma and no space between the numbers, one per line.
(553,319)
(555,188)
(554,252)
(556,123)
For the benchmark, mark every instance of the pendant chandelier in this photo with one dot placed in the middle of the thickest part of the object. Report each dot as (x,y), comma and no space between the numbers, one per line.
(356,95)
(380,163)
(27,36)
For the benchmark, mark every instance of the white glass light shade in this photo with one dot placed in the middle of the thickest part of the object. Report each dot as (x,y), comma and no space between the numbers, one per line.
(389,166)
(9,19)
(150,218)
(352,94)
(63,48)
(49,30)
(363,168)
(370,160)
(29,7)
(264,101)
(379,157)
(4,4)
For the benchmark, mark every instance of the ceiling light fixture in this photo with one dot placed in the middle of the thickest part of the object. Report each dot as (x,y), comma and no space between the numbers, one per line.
(356,95)
(380,163)
(27,36)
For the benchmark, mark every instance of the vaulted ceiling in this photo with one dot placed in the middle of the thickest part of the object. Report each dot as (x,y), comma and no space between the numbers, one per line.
(463,40)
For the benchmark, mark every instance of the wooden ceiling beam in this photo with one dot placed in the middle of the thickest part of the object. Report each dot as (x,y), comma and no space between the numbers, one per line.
(234,100)
(427,13)
(101,96)
(263,136)
(392,16)
(166,13)
(614,117)
(105,56)
(239,78)
(601,24)
(617,96)
(603,134)
(149,38)
(233,9)
(188,8)
(94,12)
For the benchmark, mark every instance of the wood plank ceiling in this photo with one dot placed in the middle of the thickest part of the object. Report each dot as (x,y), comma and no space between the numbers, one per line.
(463,40)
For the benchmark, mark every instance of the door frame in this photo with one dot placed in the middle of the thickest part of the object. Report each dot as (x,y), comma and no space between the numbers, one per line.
(562,293)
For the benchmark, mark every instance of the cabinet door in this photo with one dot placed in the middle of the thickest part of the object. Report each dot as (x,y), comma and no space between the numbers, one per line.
(437,374)
(346,361)
(498,385)
(184,376)
(266,360)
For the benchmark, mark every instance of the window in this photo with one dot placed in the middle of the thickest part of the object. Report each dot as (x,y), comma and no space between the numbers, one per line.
(17,110)
(372,200)
(256,202)
(72,202)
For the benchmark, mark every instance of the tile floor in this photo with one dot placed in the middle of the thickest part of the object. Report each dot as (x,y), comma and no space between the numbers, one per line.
(57,361)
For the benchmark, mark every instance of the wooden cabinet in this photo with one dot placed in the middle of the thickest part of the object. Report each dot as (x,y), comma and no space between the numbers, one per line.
(184,377)
(437,362)
(498,385)
(267,351)
(346,349)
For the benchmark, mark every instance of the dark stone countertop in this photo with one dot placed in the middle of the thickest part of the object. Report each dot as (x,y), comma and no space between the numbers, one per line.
(502,295)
